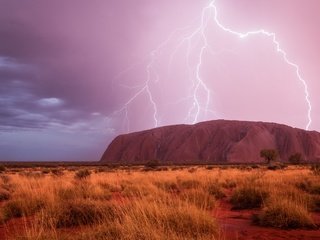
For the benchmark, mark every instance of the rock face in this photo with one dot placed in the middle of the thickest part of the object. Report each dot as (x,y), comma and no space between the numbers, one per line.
(218,141)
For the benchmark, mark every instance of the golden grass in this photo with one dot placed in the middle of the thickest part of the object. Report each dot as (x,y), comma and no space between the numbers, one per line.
(283,213)
(135,204)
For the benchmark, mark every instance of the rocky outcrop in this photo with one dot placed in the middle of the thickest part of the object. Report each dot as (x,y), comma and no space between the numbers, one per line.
(218,141)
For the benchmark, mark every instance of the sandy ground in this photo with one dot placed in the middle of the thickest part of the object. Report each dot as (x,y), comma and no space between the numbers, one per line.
(237,224)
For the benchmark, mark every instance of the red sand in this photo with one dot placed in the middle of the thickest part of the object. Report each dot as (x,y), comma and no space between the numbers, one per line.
(237,225)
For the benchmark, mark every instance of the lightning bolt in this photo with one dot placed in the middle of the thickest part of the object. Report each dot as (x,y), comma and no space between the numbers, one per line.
(209,13)
(278,49)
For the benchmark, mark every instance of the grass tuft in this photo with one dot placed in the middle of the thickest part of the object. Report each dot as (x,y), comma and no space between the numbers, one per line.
(82,174)
(248,196)
(285,214)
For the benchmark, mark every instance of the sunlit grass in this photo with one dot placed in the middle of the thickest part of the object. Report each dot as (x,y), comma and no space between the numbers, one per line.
(96,203)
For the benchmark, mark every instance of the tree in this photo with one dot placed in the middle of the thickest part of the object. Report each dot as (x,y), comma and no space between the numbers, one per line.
(152,164)
(269,154)
(295,158)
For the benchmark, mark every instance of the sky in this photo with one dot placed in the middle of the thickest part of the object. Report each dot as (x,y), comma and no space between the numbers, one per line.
(75,73)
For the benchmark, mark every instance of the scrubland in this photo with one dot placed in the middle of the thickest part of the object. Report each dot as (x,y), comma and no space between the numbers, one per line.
(160,203)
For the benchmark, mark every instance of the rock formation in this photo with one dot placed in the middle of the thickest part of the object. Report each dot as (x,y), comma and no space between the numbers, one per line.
(218,141)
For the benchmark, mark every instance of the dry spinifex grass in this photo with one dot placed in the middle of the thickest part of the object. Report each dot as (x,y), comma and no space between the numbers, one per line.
(180,204)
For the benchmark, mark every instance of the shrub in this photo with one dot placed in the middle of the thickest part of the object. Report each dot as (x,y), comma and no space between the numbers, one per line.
(307,186)
(176,168)
(163,169)
(269,154)
(148,169)
(82,174)
(152,164)
(248,196)
(273,167)
(192,170)
(22,207)
(13,209)
(45,171)
(214,189)
(5,179)
(57,172)
(295,158)
(276,166)
(100,170)
(304,185)
(285,214)
(255,166)
(316,169)
(2,168)
(315,189)
(72,169)
(4,195)
(77,213)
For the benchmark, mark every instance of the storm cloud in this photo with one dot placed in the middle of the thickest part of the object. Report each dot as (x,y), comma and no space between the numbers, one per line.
(67,66)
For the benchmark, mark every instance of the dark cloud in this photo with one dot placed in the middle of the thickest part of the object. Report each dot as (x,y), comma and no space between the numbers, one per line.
(66,50)
(63,62)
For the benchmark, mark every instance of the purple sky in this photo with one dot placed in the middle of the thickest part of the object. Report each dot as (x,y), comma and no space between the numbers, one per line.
(68,68)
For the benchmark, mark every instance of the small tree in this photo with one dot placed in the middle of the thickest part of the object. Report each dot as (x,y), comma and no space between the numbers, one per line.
(152,164)
(269,154)
(295,158)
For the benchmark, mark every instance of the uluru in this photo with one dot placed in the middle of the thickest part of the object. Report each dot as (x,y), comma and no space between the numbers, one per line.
(216,141)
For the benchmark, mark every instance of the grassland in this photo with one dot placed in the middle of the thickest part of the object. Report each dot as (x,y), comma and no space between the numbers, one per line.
(142,203)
